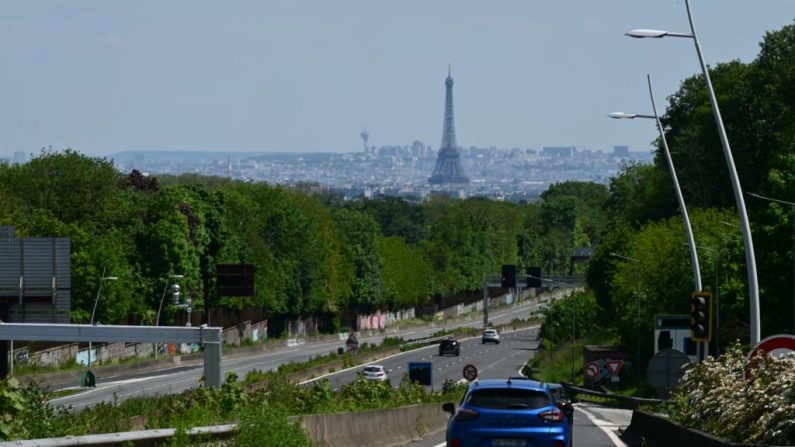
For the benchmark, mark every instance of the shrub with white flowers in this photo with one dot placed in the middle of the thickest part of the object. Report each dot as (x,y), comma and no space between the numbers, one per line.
(739,400)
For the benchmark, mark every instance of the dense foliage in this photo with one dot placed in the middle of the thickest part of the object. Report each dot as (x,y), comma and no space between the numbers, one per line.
(757,102)
(739,400)
(314,254)
(262,414)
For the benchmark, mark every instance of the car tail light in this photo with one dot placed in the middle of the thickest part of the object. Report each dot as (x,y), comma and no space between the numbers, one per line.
(456,442)
(552,416)
(465,414)
(559,444)
(381,373)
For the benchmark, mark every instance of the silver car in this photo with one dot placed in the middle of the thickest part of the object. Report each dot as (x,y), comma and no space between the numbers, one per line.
(374,372)
(490,336)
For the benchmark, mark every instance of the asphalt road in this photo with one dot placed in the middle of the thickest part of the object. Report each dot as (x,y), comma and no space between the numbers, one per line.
(594,426)
(178,379)
(493,361)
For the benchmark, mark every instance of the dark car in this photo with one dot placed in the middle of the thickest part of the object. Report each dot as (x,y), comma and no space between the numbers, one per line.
(449,346)
(510,412)
(563,401)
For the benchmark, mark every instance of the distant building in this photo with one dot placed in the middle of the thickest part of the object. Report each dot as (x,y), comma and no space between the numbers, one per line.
(418,149)
(558,151)
(364,136)
(19,158)
(621,151)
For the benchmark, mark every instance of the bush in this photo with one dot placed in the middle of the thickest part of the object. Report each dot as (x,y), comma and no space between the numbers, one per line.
(268,425)
(25,412)
(715,397)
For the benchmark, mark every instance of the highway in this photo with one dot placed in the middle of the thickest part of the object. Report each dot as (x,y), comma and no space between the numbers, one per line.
(493,361)
(594,426)
(178,379)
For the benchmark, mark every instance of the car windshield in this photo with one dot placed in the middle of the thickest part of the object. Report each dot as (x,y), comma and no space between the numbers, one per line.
(372,369)
(508,399)
(492,332)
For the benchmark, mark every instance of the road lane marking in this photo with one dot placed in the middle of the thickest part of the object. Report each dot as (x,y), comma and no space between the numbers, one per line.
(602,426)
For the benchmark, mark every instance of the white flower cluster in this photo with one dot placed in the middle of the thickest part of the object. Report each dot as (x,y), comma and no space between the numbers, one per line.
(739,400)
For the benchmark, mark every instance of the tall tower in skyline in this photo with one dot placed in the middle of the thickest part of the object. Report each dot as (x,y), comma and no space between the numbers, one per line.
(364,136)
(448,162)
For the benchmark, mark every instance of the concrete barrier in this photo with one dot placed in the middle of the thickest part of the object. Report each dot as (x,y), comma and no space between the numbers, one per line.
(388,427)
(384,428)
(651,430)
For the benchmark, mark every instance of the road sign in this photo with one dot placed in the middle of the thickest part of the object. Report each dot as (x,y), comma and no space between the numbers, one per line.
(776,346)
(591,370)
(664,371)
(470,372)
(421,372)
(673,331)
(235,279)
(614,366)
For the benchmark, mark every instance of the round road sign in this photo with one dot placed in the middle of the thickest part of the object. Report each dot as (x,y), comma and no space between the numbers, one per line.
(776,346)
(470,372)
(664,370)
(591,370)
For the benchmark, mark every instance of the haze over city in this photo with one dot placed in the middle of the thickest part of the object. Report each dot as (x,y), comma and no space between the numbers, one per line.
(308,76)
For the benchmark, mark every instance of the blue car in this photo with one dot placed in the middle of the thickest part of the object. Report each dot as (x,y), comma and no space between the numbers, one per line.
(515,412)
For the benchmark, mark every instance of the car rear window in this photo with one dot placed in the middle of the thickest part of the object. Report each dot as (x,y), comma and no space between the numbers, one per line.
(372,369)
(508,399)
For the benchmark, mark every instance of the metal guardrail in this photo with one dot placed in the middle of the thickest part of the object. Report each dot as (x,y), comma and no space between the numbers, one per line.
(208,337)
(572,390)
(141,438)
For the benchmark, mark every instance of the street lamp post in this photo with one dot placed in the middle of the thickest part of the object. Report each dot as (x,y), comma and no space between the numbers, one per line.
(688,229)
(157,319)
(637,319)
(170,276)
(784,202)
(96,300)
(750,258)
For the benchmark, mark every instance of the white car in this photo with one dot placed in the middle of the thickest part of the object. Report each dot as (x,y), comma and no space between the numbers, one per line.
(490,336)
(374,372)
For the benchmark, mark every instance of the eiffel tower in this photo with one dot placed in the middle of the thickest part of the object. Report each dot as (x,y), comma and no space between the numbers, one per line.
(448,164)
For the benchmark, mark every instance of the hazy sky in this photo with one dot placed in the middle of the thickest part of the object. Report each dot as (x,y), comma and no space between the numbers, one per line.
(309,75)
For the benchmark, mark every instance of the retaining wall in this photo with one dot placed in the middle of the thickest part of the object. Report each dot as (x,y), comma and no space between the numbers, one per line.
(651,430)
(388,427)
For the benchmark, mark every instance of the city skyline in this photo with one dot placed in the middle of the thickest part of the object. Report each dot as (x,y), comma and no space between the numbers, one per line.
(308,76)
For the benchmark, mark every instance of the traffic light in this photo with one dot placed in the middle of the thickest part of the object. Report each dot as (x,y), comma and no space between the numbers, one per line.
(701,316)
(175,294)
(533,277)
(509,276)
